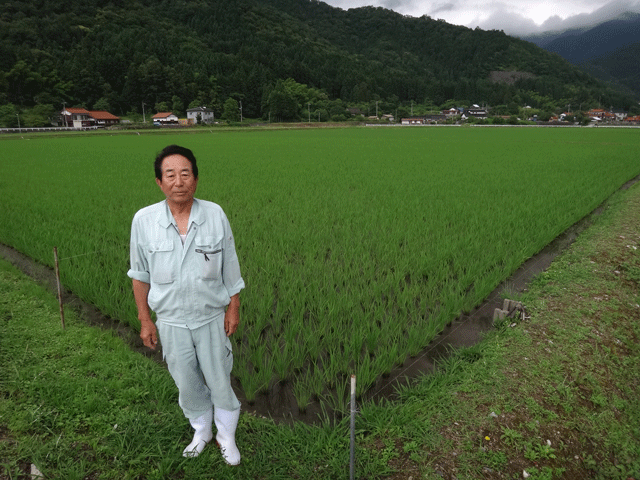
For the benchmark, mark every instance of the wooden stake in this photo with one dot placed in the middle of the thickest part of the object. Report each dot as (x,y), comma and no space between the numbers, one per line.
(55,256)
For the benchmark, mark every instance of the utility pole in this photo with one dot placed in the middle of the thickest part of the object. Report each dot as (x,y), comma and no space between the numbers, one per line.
(240,111)
(64,113)
(19,129)
(144,119)
(376,108)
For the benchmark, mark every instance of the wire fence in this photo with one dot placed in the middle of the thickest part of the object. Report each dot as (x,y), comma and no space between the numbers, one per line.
(46,129)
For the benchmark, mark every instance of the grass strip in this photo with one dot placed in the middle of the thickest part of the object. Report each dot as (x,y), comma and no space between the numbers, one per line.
(78,404)
(555,396)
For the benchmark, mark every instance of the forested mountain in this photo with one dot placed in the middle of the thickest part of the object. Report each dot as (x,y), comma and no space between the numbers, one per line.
(620,66)
(580,45)
(279,58)
(609,51)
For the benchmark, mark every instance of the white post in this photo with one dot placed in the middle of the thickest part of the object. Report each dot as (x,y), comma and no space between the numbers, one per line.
(352,455)
(55,257)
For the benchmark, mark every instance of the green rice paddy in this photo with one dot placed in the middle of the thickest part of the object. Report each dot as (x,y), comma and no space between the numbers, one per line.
(357,245)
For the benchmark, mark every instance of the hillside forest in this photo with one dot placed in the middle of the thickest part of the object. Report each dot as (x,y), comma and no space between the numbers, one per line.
(276,60)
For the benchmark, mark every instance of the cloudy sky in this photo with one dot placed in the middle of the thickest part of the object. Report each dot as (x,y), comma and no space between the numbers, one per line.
(515,17)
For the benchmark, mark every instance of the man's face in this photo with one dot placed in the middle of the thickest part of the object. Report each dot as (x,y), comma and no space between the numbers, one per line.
(178,183)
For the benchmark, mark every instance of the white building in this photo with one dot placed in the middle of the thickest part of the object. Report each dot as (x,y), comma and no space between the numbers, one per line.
(206,115)
(164,118)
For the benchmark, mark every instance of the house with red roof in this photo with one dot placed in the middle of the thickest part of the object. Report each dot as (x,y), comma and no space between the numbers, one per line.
(599,115)
(104,119)
(76,117)
(82,118)
(164,118)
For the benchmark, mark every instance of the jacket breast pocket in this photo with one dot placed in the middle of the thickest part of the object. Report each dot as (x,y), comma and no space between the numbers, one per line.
(161,262)
(209,256)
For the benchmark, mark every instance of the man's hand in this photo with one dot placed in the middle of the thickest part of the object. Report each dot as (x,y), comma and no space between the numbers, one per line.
(147,327)
(148,334)
(232,315)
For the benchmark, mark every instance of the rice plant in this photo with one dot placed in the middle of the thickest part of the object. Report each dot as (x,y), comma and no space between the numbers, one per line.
(357,245)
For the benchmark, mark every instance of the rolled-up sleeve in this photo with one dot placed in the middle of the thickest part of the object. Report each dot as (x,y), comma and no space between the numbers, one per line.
(231,276)
(139,265)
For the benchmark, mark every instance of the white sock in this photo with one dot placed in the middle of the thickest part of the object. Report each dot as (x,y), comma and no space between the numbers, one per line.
(226,423)
(203,434)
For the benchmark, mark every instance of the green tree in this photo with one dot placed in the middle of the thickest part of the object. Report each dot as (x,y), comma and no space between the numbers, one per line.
(162,107)
(23,82)
(177,105)
(8,116)
(38,116)
(402,113)
(320,115)
(231,110)
(102,104)
(282,104)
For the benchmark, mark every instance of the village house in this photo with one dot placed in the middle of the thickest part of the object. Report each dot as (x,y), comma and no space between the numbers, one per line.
(436,118)
(619,115)
(451,112)
(75,117)
(200,115)
(413,121)
(104,119)
(165,118)
(82,118)
(600,115)
(475,111)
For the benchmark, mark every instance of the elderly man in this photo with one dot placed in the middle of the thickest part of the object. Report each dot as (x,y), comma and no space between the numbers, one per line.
(184,267)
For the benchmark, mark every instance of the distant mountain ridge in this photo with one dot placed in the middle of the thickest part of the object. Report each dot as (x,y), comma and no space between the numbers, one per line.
(581,45)
(610,50)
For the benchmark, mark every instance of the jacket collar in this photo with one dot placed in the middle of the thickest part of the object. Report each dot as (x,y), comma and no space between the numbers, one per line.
(165,218)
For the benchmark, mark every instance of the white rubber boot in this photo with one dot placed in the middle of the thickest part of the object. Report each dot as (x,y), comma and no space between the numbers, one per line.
(226,423)
(203,435)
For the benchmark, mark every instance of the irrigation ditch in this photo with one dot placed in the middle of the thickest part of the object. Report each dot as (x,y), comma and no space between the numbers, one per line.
(279,403)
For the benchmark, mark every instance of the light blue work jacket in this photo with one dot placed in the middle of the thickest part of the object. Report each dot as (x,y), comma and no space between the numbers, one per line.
(189,284)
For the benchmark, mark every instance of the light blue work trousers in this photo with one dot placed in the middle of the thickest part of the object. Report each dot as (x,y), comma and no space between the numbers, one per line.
(200,362)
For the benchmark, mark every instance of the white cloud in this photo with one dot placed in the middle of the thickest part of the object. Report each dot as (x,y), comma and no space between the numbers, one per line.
(514,17)
(510,23)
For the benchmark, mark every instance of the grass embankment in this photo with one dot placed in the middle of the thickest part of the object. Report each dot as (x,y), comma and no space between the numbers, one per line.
(555,396)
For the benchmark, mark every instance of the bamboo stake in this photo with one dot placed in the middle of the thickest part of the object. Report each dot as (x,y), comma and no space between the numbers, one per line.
(55,256)
(352,455)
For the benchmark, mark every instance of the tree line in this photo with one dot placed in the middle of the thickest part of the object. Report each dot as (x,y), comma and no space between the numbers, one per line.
(276,59)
